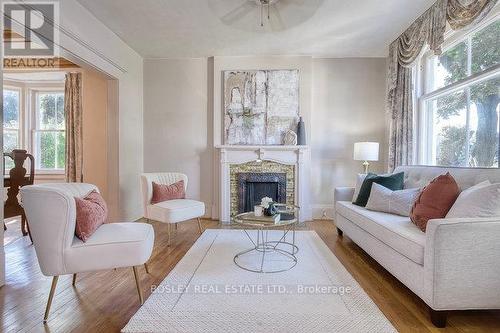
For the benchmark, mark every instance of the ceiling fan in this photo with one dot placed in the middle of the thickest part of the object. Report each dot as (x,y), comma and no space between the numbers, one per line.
(265,4)
(264,15)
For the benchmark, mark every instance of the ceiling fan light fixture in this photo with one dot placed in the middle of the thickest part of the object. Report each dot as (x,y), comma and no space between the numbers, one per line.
(263,4)
(250,15)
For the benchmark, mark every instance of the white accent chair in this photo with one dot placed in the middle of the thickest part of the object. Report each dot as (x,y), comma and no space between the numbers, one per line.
(171,211)
(51,210)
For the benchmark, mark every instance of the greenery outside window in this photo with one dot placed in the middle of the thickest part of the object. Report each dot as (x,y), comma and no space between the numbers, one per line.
(11,122)
(49,131)
(459,108)
(33,119)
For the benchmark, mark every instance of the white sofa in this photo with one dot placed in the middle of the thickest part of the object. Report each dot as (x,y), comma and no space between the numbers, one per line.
(454,265)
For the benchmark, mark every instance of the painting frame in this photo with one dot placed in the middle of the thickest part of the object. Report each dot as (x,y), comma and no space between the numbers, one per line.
(259,106)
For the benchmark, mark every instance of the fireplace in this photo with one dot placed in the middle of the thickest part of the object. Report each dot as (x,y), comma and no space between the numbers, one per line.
(252,187)
(255,162)
(251,181)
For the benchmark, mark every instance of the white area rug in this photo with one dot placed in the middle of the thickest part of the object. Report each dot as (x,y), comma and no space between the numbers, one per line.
(207,292)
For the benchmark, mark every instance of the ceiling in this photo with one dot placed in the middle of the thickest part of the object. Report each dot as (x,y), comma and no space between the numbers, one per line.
(35,76)
(193,28)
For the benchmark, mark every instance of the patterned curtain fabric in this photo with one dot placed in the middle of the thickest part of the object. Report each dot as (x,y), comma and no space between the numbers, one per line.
(401,127)
(428,29)
(461,13)
(74,114)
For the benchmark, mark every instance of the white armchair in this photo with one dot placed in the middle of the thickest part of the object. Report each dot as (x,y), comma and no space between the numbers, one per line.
(51,210)
(171,211)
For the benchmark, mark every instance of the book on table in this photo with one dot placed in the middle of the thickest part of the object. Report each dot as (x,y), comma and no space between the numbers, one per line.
(264,219)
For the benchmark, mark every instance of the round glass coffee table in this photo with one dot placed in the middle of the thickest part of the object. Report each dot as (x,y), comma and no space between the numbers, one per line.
(269,256)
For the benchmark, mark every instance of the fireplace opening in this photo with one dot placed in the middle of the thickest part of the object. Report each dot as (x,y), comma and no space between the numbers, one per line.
(252,187)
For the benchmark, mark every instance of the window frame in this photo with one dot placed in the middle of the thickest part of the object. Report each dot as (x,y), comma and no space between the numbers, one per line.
(21,129)
(28,113)
(423,123)
(33,93)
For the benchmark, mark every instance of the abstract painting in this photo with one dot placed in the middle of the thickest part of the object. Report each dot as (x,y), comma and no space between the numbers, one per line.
(260,106)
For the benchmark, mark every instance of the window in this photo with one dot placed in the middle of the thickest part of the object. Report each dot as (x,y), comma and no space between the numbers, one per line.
(11,123)
(49,131)
(459,109)
(34,120)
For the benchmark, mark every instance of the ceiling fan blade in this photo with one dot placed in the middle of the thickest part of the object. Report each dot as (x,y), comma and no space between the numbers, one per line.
(294,2)
(276,20)
(238,13)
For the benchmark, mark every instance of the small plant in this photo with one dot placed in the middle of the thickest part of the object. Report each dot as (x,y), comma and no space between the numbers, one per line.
(268,205)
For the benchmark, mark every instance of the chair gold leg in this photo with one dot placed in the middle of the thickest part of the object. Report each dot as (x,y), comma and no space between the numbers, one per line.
(51,296)
(138,285)
(146,267)
(74,280)
(199,226)
(169,233)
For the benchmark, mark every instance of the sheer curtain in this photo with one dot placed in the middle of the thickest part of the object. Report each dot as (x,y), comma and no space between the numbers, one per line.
(73,117)
(428,29)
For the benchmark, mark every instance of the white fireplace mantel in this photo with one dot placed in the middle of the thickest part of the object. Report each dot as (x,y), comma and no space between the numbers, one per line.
(235,154)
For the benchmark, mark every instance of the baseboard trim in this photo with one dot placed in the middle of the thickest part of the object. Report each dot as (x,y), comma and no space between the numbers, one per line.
(322,212)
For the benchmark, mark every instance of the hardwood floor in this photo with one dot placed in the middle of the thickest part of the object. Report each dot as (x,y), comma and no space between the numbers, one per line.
(105,301)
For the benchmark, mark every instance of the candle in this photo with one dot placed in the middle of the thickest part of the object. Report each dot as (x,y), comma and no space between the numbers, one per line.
(258,210)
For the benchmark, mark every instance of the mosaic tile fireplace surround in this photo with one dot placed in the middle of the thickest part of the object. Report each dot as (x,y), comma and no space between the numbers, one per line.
(278,179)
(278,169)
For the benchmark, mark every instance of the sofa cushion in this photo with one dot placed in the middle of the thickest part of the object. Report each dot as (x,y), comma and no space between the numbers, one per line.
(164,192)
(435,200)
(396,231)
(91,212)
(385,200)
(359,181)
(394,182)
(420,176)
(178,210)
(481,200)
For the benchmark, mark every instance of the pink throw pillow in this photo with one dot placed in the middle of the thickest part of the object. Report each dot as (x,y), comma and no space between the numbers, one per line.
(435,200)
(91,213)
(163,192)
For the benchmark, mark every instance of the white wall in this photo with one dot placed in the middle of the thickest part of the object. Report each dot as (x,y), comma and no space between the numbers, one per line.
(348,106)
(85,40)
(342,101)
(177,126)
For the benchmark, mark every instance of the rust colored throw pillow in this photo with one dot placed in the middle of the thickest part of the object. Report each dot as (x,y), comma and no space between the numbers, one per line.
(435,200)
(91,212)
(163,192)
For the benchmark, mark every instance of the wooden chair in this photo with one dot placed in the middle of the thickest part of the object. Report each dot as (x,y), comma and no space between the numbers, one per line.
(16,179)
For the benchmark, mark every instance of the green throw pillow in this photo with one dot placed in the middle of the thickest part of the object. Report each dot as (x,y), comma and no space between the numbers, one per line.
(393,182)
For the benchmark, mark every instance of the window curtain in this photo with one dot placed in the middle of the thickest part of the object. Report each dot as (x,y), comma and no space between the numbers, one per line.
(461,13)
(73,117)
(428,29)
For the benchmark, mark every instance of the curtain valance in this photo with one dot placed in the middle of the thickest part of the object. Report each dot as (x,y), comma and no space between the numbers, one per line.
(460,13)
(428,29)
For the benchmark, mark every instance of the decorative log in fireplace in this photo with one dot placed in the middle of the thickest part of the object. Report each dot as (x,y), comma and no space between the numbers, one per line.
(252,187)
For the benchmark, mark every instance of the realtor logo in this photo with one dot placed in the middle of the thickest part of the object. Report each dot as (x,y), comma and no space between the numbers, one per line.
(29,29)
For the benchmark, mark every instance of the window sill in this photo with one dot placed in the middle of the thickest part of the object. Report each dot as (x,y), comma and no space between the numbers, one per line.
(49,176)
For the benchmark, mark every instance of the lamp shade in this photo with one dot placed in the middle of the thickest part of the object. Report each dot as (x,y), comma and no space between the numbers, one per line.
(366,151)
